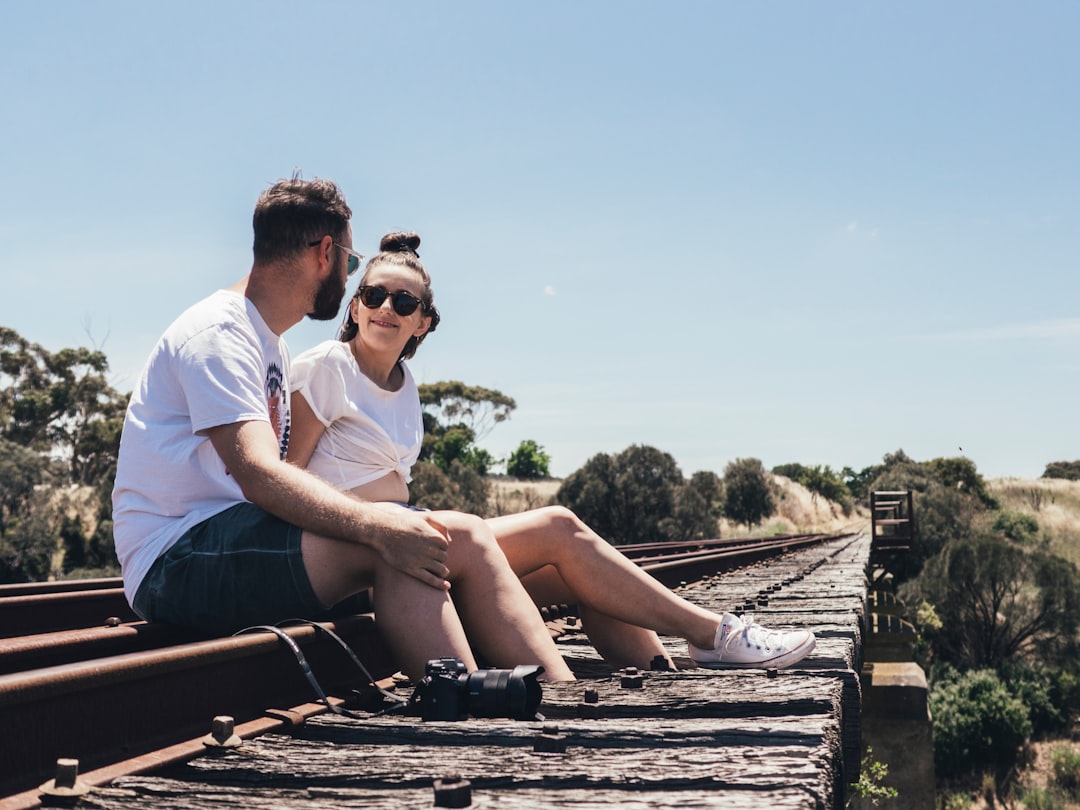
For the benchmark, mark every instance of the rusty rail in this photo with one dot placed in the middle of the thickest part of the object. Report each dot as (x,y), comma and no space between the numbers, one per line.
(25,610)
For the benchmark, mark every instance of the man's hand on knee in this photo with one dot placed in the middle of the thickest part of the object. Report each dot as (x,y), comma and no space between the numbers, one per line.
(417,546)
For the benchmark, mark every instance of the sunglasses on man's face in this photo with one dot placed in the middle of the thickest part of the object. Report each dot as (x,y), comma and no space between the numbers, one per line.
(354,257)
(403,303)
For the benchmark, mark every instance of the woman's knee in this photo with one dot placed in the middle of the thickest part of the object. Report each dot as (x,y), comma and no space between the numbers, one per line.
(469,535)
(566,526)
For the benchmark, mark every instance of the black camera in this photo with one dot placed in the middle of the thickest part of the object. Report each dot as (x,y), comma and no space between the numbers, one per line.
(448,692)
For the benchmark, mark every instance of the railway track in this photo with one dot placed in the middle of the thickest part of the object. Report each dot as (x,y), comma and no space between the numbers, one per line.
(81,677)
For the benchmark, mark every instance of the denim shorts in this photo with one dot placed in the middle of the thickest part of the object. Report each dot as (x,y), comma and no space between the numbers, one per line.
(239,568)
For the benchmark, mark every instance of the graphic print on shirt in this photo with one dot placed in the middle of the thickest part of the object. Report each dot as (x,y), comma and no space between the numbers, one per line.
(277,403)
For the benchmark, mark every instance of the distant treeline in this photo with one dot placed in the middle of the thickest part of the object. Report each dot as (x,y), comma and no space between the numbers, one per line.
(1069,470)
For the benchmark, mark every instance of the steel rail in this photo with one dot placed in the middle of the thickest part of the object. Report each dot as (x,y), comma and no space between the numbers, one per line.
(41,650)
(635,550)
(59,609)
(41,608)
(684,568)
(55,586)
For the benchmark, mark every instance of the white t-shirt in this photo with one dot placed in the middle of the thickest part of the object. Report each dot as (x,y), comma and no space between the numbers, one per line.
(217,364)
(370,432)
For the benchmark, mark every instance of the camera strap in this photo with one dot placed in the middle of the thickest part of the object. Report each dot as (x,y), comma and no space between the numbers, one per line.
(305,667)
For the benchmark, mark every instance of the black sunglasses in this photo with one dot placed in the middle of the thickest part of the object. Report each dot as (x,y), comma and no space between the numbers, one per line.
(404,303)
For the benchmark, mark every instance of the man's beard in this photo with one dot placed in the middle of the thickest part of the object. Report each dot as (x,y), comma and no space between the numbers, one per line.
(330,294)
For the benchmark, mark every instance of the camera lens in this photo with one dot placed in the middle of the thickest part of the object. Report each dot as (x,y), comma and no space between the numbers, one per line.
(504,692)
(448,693)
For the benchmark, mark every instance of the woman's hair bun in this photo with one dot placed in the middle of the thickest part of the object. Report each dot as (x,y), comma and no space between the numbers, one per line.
(399,242)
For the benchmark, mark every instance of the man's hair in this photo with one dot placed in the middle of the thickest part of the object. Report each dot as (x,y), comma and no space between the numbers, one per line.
(293,213)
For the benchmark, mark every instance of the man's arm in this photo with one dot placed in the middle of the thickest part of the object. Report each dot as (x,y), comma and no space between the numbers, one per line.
(403,539)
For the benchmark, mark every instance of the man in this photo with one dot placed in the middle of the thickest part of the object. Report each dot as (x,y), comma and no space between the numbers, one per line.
(215,531)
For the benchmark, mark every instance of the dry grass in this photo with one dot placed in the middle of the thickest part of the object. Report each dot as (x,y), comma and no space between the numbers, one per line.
(1053,502)
(1040,772)
(75,502)
(799,511)
(509,495)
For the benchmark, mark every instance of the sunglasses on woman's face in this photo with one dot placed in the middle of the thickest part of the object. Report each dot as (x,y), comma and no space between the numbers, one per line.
(403,303)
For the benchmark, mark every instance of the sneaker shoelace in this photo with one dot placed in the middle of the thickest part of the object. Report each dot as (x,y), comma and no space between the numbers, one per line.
(761,638)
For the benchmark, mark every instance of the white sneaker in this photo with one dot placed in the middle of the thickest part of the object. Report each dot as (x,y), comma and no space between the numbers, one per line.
(742,643)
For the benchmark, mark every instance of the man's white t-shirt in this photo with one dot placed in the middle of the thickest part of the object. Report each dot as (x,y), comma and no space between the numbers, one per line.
(370,431)
(217,364)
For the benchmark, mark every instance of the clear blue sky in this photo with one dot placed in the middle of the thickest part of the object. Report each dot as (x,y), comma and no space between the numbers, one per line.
(812,232)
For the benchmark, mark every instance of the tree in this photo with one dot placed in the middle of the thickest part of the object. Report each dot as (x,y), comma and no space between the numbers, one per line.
(999,602)
(21,471)
(528,461)
(821,481)
(62,405)
(453,403)
(628,498)
(60,424)
(455,417)
(960,473)
(589,491)
(1069,470)
(456,446)
(31,540)
(697,506)
(459,488)
(747,495)
(29,520)
(858,483)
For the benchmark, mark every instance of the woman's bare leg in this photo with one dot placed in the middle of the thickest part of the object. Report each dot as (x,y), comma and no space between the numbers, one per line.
(499,616)
(619,643)
(419,622)
(598,577)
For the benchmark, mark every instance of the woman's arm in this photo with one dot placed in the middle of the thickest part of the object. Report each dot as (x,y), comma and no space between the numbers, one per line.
(304,432)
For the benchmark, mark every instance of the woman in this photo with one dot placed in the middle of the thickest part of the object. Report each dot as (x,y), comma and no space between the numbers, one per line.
(357,422)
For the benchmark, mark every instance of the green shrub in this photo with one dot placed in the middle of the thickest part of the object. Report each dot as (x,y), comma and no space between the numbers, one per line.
(529,461)
(460,488)
(871,777)
(953,801)
(1051,695)
(1066,764)
(1039,798)
(1017,526)
(977,723)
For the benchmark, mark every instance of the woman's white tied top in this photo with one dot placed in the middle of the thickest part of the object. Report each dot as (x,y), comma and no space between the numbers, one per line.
(369,431)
